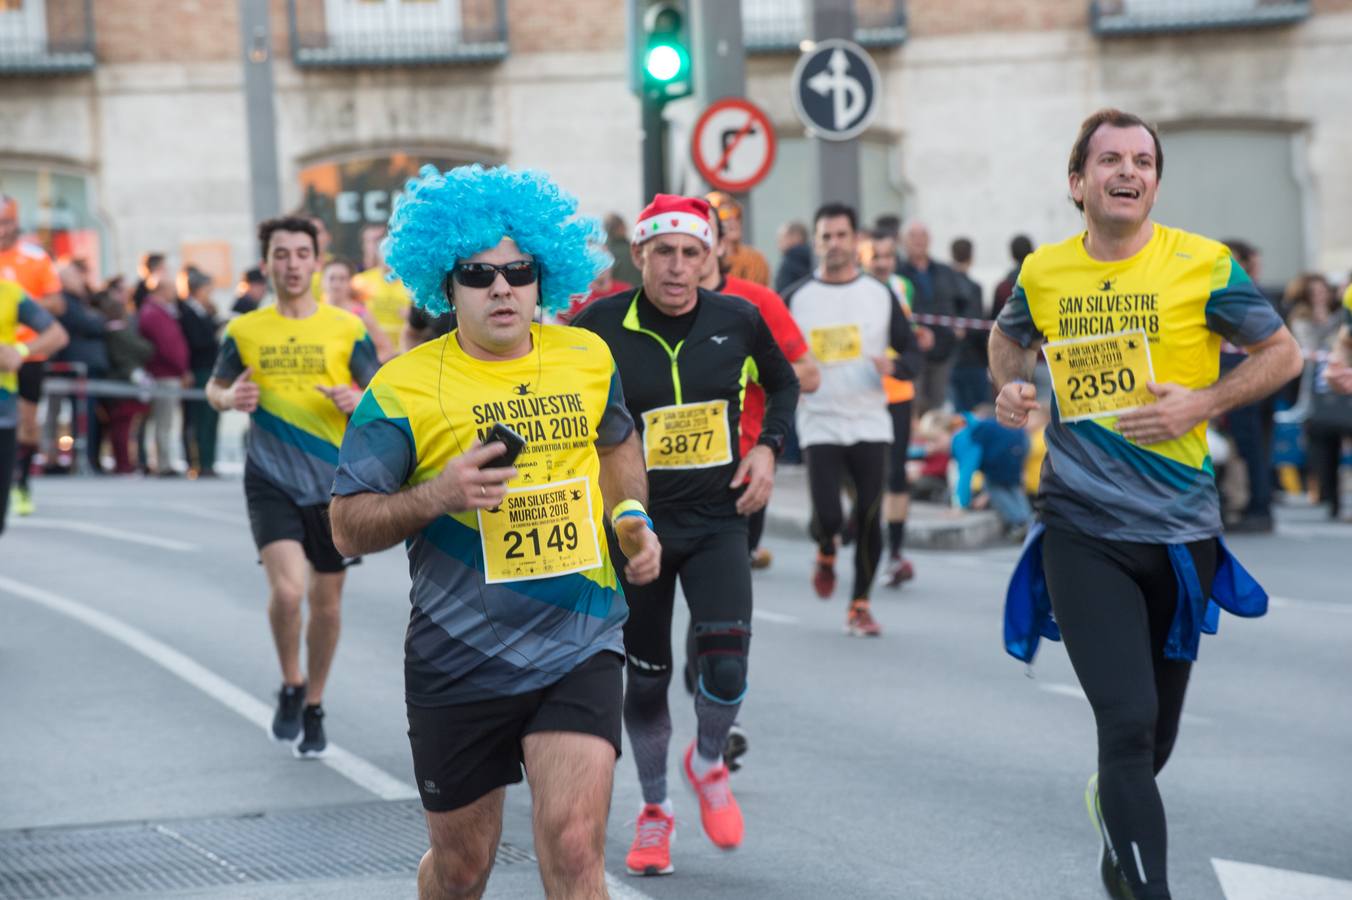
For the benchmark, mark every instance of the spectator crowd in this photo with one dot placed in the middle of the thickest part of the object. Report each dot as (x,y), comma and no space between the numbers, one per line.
(149,344)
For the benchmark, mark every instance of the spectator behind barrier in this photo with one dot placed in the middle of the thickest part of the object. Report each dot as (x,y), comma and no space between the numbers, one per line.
(128,354)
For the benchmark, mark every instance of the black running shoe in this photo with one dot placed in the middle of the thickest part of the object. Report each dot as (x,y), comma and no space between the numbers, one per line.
(313,744)
(735,747)
(1114,882)
(286,720)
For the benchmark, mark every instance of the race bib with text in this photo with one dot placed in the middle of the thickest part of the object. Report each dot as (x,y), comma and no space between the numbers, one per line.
(1095,377)
(687,436)
(540,532)
(836,343)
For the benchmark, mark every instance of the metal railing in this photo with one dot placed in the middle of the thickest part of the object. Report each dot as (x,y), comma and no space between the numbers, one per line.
(396,32)
(1109,17)
(775,26)
(71,379)
(46,37)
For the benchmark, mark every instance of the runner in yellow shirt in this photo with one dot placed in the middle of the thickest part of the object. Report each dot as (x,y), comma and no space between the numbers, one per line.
(1130,315)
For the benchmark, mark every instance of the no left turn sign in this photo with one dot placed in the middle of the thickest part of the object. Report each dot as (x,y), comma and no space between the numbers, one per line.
(733,145)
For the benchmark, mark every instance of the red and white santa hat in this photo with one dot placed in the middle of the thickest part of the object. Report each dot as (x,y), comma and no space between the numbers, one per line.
(674,214)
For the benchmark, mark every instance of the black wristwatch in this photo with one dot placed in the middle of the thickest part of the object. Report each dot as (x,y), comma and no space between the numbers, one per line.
(774,441)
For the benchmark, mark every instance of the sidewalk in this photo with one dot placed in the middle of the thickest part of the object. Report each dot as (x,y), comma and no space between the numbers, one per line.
(929,526)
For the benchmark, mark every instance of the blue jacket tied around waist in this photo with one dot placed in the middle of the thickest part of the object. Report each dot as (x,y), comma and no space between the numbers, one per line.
(1028,606)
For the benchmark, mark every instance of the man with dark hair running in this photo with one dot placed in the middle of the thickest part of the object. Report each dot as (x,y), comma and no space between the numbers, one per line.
(498,453)
(851,319)
(291,366)
(684,353)
(1130,315)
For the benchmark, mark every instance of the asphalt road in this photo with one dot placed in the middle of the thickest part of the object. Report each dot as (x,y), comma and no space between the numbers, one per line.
(136,664)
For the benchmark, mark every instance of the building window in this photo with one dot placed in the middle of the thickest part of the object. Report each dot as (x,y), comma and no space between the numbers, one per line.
(46,36)
(779,25)
(1147,16)
(354,193)
(397,32)
(23,27)
(416,24)
(56,210)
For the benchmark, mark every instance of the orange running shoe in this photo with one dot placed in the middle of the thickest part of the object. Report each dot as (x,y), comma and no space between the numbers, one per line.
(651,850)
(718,810)
(824,576)
(860,622)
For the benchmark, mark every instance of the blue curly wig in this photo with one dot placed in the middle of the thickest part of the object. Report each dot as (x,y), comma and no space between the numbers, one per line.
(443,218)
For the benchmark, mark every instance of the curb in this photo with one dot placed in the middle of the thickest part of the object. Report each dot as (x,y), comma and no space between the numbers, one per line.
(974,531)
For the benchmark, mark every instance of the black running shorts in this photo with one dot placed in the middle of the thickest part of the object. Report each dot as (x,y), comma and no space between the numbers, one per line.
(30,380)
(273,516)
(464,751)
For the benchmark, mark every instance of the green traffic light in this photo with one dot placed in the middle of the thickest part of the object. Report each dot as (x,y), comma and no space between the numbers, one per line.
(665,62)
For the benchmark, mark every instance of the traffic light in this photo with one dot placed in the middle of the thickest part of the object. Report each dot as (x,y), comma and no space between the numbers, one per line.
(665,51)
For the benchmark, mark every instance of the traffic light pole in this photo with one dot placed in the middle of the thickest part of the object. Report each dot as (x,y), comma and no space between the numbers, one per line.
(837,161)
(654,139)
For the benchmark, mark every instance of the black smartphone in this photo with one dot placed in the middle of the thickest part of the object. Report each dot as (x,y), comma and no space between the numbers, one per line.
(515,444)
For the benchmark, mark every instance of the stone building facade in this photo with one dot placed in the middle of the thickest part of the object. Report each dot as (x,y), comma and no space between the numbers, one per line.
(126,121)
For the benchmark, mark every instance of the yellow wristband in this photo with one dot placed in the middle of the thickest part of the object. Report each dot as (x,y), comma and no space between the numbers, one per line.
(625,506)
(24,350)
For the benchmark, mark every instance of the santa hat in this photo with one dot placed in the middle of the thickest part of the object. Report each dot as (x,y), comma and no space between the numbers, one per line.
(673,214)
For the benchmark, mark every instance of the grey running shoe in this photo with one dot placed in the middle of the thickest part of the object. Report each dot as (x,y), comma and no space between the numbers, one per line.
(286,720)
(735,747)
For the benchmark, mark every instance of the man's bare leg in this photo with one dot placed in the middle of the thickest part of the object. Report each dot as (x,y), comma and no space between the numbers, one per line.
(321,632)
(570,777)
(464,845)
(286,567)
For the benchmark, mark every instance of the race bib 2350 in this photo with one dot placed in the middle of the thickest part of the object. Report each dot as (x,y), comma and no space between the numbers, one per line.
(1095,377)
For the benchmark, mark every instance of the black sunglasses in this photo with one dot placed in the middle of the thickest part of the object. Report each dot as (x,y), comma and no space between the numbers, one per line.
(518,273)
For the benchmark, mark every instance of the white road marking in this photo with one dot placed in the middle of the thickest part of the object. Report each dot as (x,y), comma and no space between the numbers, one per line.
(1309,605)
(1071,690)
(1333,531)
(188,509)
(621,891)
(778,618)
(351,767)
(354,768)
(116,534)
(1248,881)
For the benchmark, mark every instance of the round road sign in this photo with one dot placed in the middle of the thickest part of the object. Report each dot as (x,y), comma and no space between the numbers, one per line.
(733,145)
(836,89)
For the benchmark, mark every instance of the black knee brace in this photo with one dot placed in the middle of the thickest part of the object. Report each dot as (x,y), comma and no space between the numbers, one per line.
(722,649)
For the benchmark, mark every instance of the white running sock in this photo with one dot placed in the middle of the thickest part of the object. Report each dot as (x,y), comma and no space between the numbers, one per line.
(666,807)
(701,766)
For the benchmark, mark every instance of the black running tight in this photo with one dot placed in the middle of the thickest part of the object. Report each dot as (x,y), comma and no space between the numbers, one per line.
(826,466)
(1114,602)
(7,454)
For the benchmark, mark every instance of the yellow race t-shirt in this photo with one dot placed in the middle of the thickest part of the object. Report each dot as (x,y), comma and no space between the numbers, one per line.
(388,302)
(16,311)
(295,431)
(1180,295)
(506,600)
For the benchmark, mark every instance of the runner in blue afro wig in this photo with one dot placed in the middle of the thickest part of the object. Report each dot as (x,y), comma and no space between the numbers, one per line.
(444,218)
